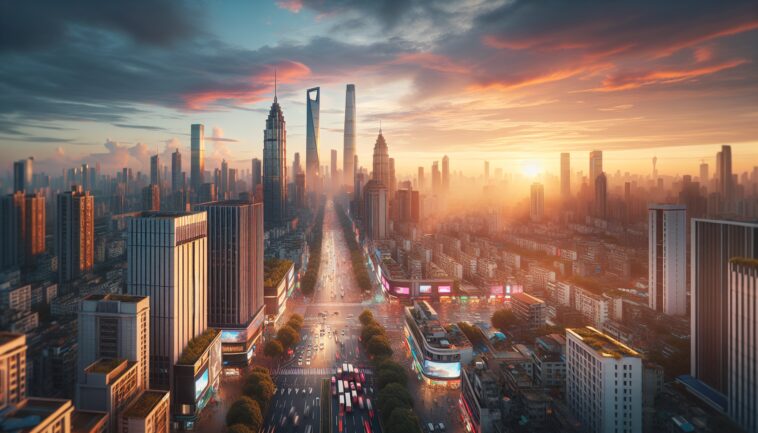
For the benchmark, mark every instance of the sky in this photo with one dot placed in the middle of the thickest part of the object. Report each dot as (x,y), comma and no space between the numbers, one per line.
(513,82)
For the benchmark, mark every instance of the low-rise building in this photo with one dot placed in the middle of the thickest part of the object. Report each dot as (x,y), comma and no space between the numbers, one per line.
(196,378)
(480,401)
(549,359)
(149,413)
(109,385)
(529,309)
(12,369)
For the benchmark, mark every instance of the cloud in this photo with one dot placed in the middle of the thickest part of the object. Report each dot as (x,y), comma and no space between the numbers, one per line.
(218,136)
(621,107)
(145,127)
(290,5)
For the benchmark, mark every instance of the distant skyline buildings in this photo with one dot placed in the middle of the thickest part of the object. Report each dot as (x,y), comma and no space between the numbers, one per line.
(313,116)
(197,148)
(537,200)
(348,150)
(565,175)
(23,174)
(381,161)
(596,167)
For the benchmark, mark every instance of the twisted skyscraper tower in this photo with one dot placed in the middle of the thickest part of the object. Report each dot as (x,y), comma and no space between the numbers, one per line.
(312,167)
(348,153)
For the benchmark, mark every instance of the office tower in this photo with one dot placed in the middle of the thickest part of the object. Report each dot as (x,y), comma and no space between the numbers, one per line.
(421,178)
(601,195)
(34,226)
(12,369)
(565,175)
(704,174)
(313,102)
(436,180)
(151,197)
(23,172)
(743,328)
(375,209)
(207,193)
(85,178)
(257,174)
(75,233)
(275,166)
(406,205)
(155,170)
(232,181)
(296,167)
(177,179)
(300,190)
(197,147)
(445,173)
(22,228)
(596,165)
(148,413)
(361,178)
(223,185)
(537,209)
(348,151)
(726,181)
(115,326)
(333,174)
(235,275)
(108,385)
(392,187)
(486,171)
(167,261)
(603,382)
(667,258)
(381,161)
(714,243)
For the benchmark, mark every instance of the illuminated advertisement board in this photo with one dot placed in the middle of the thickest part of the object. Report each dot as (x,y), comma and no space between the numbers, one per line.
(403,290)
(497,290)
(201,383)
(444,289)
(385,284)
(442,370)
(425,288)
(233,336)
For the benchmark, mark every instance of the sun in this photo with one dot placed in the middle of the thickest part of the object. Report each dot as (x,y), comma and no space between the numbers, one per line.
(531,169)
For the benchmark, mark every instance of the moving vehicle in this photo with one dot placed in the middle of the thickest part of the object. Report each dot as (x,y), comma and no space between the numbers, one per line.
(366,426)
(354,395)
(340,387)
(348,404)
(342,403)
(360,403)
(441,427)
(430,427)
(370,408)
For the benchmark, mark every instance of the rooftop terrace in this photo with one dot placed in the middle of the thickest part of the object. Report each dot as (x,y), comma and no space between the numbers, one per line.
(144,404)
(603,344)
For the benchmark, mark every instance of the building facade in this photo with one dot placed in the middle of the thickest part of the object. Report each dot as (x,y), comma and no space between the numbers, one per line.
(667,258)
(531,311)
(197,158)
(75,233)
(275,166)
(348,152)
(743,342)
(313,113)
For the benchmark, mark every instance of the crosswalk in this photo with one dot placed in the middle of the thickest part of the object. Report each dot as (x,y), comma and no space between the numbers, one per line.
(314,371)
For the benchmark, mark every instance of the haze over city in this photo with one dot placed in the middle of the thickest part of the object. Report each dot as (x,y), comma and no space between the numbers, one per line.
(338,216)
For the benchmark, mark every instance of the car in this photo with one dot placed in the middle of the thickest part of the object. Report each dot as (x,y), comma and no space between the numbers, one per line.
(308,361)
(310,390)
(430,427)
(296,420)
(441,427)
(299,362)
(307,411)
(283,421)
(289,391)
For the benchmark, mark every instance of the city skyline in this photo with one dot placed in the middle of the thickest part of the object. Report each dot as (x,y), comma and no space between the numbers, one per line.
(567,87)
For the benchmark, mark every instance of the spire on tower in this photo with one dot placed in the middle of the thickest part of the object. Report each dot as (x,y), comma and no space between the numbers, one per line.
(274,83)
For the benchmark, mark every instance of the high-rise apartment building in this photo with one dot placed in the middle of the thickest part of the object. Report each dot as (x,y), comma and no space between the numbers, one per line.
(177,177)
(537,208)
(155,170)
(117,327)
(275,166)
(714,243)
(565,175)
(75,233)
(12,369)
(235,275)
(257,174)
(726,181)
(313,113)
(167,261)
(743,329)
(375,209)
(109,385)
(601,196)
(603,382)
(348,151)
(197,157)
(151,197)
(23,172)
(667,258)
(381,161)
(22,228)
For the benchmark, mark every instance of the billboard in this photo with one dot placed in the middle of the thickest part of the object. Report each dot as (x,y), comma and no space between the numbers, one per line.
(403,290)
(497,291)
(444,289)
(201,383)
(425,288)
(442,370)
(233,335)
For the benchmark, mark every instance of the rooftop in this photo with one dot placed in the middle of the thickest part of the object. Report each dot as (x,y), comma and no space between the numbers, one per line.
(105,365)
(31,412)
(431,328)
(527,298)
(197,346)
(274,270)
(85,421)
(114,297)
(144,404)
(166,214)
(7,337)
(603,344)
(744,261)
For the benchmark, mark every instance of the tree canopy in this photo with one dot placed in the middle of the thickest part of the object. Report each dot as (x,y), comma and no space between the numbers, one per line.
(245,411)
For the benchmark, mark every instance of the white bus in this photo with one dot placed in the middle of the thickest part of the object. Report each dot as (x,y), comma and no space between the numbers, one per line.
(350,371)
(348,403)
(344,369)
(340,387)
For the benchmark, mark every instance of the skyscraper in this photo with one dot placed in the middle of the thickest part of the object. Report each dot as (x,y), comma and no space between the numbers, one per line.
(601,195)
(257,174)
(116,327)
(667,258)
(436,178)
(375,209)
(596,166)
(445,173)
(726,182)
(714,243)
(151,197)
(537,208)
(348,151)
(177,178)
(603,382)
(313,102)
(23,171)
(197,143)
(421,178)
(333,174)
(75,233)
(235,275)
(381,161)
(223,188)
(486,171)
(155,170)
(704,174)
(565,175)
(167,261)
(743,328)
(22,228)
(275,166)
(392,187)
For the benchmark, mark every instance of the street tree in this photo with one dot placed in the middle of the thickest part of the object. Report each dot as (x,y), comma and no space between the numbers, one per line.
(245,411)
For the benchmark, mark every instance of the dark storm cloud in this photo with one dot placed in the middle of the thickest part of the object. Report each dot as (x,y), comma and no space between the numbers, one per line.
(37,24)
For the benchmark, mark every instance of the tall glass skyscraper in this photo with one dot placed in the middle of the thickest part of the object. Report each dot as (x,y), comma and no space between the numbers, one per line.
(348,169)
(313,103)
(275,166)
(197,142)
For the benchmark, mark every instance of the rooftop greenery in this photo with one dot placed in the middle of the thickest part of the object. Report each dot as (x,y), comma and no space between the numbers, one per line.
(105,365)
(744,261)
(197,346)
(144,404)
(274,270)
(603,344)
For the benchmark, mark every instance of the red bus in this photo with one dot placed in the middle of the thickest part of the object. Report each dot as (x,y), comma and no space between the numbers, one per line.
(366,426)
